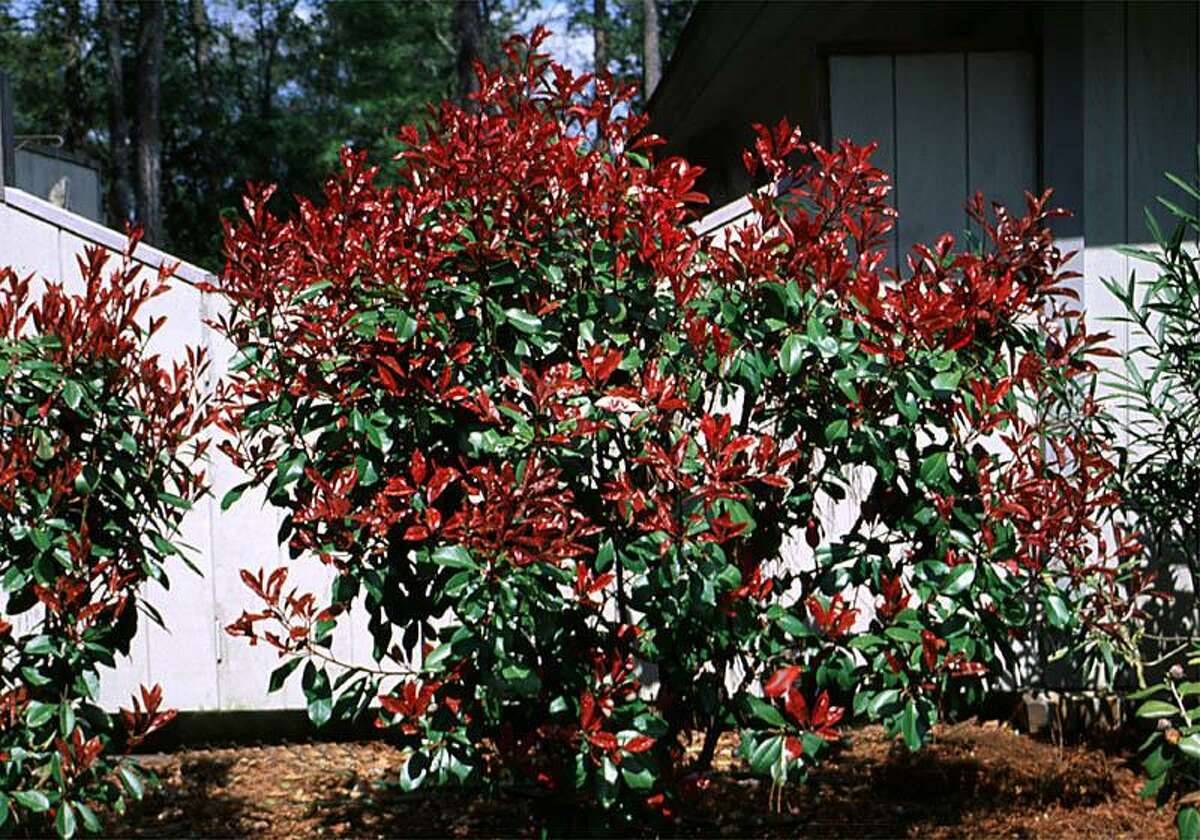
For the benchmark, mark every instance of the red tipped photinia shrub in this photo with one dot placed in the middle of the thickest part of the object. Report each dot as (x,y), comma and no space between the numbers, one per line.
(96,472)
(598,484)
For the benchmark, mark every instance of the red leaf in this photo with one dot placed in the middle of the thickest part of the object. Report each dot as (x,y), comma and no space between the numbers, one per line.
(781,681)
(417,468)
(797,707)
(639,743)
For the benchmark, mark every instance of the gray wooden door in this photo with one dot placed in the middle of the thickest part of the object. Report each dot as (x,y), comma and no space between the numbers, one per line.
(947,124)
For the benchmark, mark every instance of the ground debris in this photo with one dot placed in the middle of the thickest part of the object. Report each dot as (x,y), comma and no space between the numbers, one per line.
(972,781)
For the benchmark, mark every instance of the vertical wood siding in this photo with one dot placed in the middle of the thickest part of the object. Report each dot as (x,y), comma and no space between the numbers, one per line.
(1140,121)
(947,124)
(862,104)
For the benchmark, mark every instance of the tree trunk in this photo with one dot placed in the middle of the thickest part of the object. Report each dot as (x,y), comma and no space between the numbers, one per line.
(120,187)
(269,37)
(651,50)
(149,129)
(200,48)
(77,118)
(467,24)
(600,35)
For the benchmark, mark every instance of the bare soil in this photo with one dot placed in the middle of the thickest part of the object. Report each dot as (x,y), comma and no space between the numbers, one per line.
(972,781)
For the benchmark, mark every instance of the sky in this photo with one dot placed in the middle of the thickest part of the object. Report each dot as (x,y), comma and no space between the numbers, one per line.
(571,49)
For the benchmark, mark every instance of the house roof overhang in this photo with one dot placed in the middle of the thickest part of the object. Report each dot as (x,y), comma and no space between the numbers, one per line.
(743,62)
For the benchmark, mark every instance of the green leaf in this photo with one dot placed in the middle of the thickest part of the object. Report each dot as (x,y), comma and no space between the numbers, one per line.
(764,711)
(766,754)
(935,469)
(837,430)
(947,380)
(790,354)
(642,779)
(3,810)
(35,677)
(601,253)
(902,634)
(437,656)
(1156,764)
(521,680)
(174,501)
(90,822)
(605,555)
(228,500)
(1157,709)
(865,642)
(131,780)
(1190,745)
(794,626)
(1187,823)
(730,578)
(279,675)
(960,579)
(523,321)
(406,326)
(650,724)
(1057,610)
(1152,787)
(40,538)
(378,437)
(606,782)
(910,726)
(1149,691)
(72,394)
(291,469)
(881,701)
(32,800)
(454,556)
(45,449)
(66,718)
(318,694)
(39,646)
(459,582)
(38,713)
(64,822)
(313,290)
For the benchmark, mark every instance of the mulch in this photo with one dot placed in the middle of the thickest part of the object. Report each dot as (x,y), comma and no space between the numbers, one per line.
(972,781)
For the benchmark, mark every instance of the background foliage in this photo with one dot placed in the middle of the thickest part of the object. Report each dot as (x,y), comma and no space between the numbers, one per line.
(256,90)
